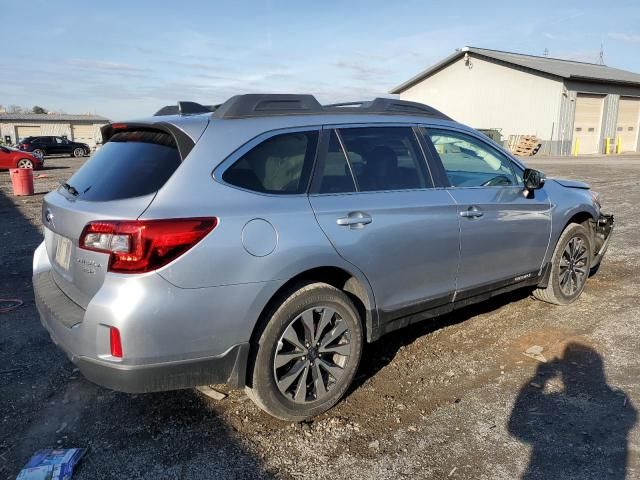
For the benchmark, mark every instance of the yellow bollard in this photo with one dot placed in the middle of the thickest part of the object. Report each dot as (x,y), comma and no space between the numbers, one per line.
(576,147)
(618,144)
(607,146)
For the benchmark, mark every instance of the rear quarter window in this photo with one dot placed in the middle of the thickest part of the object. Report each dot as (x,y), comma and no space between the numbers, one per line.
(131,164)
(279,165)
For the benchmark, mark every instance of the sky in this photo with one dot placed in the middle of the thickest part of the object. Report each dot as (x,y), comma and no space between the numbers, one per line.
(125,59)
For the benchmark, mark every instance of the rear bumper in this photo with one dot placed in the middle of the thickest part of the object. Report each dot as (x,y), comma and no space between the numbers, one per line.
(172,338)
(58,312)
(227,368)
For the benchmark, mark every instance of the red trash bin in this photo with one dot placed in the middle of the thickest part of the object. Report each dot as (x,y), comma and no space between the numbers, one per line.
(22,181)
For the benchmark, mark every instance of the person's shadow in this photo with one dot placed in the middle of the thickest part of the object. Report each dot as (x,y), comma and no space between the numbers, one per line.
(575,422)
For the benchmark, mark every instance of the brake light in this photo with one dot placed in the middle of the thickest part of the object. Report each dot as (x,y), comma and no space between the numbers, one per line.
(115,343)
(137,246)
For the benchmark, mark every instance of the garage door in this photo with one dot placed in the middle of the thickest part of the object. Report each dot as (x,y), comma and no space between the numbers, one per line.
(27,131)
(627,126)
(83,134)
(586,126)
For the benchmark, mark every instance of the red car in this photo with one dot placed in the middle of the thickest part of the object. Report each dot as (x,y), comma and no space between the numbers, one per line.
(13,158)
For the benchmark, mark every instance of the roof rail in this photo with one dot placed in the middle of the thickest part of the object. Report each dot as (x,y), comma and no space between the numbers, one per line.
(262,105)
(386,106)
(185,108)
(267,105)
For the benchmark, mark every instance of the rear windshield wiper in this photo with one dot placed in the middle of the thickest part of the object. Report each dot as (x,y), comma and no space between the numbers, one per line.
(70,189)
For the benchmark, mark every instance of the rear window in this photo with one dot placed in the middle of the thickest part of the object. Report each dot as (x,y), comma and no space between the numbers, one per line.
(131,164)
(279,165)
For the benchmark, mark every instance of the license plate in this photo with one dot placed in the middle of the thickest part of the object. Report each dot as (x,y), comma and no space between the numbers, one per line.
(63,252)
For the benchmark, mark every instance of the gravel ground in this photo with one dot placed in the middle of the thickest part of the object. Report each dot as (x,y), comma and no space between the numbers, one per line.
(455,397)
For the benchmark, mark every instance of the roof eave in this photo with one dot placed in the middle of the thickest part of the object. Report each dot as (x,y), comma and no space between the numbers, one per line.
(579,78)
(428,72)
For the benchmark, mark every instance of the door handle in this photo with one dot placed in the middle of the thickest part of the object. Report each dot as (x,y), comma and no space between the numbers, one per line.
(355,220)
(472,212)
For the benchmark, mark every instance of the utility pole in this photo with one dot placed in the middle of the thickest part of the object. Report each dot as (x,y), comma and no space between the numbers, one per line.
(546,52)
(601,56)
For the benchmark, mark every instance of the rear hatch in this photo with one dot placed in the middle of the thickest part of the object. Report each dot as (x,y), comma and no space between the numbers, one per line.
(117,183)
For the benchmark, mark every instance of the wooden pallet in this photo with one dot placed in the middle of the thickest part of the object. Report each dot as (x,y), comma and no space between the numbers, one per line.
(524,145)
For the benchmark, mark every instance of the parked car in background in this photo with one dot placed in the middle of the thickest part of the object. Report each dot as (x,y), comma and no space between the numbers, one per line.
(49,145)
(13,158)
(264,243)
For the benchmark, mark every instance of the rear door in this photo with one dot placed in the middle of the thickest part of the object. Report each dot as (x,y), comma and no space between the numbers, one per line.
(119,182)
(504,234)
(373,197)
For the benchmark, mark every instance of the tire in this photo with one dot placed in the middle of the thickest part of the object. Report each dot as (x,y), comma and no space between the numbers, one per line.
(78,152)
(25,163)
(569,267)
(38,152)
(295,383)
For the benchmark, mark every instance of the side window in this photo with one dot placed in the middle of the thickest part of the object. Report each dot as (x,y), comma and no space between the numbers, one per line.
(336,173)
(470,162)
(385,158)
(280,165)
(57,140)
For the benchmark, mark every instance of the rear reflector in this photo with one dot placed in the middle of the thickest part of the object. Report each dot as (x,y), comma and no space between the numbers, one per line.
(137,246)
(115,342)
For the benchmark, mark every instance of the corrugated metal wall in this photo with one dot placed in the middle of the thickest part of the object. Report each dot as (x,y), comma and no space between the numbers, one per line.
(610,109)
(486,94)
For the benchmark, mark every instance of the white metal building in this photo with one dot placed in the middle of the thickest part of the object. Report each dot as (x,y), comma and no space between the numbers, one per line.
(80,128)
(563,102)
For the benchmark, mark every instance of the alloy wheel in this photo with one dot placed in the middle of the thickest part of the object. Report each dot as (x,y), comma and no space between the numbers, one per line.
(24,163)
(573,267)
(312,354)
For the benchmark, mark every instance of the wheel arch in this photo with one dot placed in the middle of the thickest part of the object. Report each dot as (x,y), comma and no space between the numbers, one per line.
(580,214)
(335,276)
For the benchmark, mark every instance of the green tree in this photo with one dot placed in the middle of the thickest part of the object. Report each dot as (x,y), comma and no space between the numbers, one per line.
(38,109)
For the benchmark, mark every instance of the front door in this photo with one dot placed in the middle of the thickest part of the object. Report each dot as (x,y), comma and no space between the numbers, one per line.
(504,234)
(373,197)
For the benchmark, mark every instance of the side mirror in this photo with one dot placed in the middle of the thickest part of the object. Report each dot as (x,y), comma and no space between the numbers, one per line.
(533,179)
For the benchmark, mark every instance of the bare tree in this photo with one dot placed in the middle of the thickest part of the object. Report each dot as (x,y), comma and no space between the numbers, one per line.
(15,109)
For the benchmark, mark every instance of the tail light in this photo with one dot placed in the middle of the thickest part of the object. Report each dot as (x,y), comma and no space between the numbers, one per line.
(137,246)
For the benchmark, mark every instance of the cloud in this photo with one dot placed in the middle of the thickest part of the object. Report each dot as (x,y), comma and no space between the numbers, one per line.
(362,71)
(548,35)
(625,37)
(102,65)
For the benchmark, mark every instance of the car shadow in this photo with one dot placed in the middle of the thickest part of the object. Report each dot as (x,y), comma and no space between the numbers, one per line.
(46,403)
(577,424)
(380,353)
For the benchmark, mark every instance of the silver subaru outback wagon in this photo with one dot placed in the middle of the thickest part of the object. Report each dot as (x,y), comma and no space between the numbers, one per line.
(262,242)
